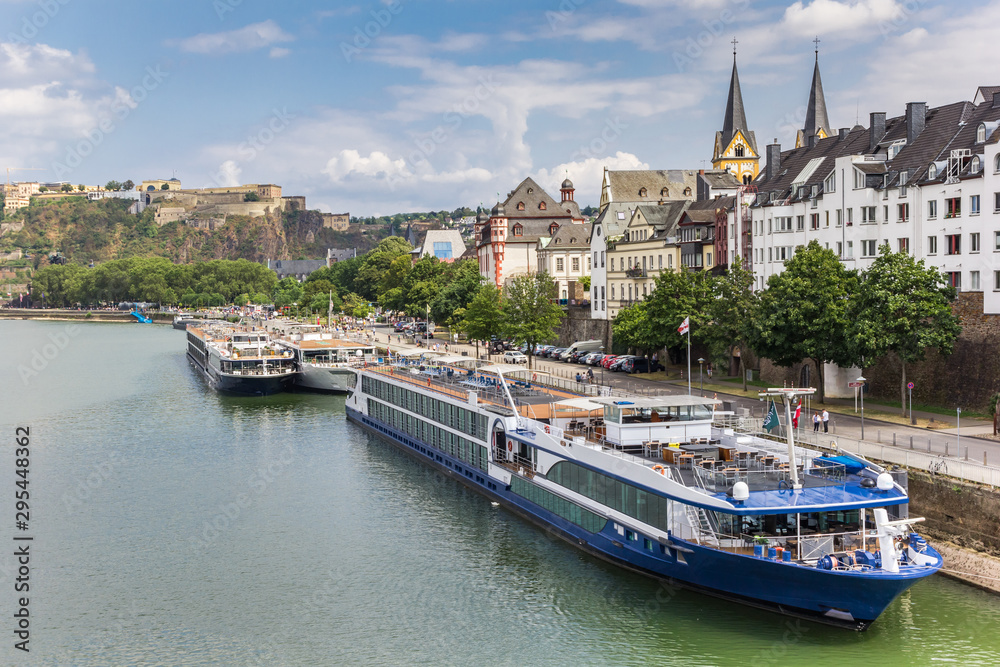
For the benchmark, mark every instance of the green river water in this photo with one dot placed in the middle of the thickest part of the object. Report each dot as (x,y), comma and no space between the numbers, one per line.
(175,526)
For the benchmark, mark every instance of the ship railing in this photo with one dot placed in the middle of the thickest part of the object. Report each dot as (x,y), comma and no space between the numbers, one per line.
(809,546)
(721,477)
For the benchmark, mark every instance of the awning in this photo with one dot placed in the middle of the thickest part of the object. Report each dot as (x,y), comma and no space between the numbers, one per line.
(504,368)
(451,359)
(682,400)
(579,404)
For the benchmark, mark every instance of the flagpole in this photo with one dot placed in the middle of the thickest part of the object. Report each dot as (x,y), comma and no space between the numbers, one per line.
(689,358)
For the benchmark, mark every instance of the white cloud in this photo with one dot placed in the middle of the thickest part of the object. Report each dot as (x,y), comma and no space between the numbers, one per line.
(247,38)
(377,165)
(278,52)
(228,174)
(836,16)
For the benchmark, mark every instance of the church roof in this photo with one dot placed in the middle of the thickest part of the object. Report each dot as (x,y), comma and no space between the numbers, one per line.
(736,117)
(816,116)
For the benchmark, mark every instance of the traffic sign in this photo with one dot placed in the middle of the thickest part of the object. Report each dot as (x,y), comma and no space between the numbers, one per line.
(855,384)
(909,385)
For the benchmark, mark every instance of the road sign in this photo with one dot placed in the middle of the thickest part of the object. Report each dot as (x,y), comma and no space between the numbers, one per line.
(909,385)
(855,384)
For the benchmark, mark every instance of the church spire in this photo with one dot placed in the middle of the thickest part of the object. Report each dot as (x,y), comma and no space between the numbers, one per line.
(735,146)
(817,121)
(736,118)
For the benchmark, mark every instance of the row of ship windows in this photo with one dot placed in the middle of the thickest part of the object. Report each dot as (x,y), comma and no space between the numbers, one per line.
(434,409)
(454,445)
(570,511)
(634,502)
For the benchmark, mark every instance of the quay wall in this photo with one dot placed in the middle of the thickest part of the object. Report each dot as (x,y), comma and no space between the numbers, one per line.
(578,325)
(963,522)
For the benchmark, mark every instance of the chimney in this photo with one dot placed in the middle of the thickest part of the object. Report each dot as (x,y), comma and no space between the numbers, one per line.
(842,134)
(996,100)
(916,114)
(811,141)
(876,130)
(773,160)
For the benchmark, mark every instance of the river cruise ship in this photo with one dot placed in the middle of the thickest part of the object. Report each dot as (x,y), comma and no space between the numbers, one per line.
(325,362)
(237,360)
(668,486)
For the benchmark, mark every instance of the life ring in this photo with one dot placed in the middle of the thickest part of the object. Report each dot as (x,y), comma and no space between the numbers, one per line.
(510,445)
(547,428)
(658,468)
(534,377)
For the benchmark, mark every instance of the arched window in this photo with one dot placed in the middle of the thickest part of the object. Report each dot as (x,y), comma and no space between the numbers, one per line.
(531,191)
(553,228)
(996,164)
(746,179)
(541,206)
(932,171)
(664,192)
(687,192)
(739,150)
(976,165)
(518,229)
(642,192)
(981,133)
(520,206)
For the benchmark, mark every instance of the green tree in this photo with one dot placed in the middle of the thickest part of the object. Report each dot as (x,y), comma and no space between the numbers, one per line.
(356,306)
(585,282)
(81,187)
(66,187)
(251,196)
(631,327)
(903,306)
(113,186)
(128,186)
(484,317)
(680,294)
(286,292)
(165,186)
(460,281)
(530,311)
(376,263)
(805,312)
(732,314)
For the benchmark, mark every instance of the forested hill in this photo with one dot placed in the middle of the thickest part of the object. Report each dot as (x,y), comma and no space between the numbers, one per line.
(99,231)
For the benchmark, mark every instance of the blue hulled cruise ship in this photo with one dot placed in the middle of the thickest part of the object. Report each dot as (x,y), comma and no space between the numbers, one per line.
(668,486)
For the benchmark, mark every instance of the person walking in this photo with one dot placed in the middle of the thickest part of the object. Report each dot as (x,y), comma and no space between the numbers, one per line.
(816,421)
(826,421)
(590,375)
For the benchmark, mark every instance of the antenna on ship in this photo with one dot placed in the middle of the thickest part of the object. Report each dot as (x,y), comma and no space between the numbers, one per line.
(788,393)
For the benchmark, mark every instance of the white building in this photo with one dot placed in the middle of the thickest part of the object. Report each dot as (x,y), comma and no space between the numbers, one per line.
(566,257)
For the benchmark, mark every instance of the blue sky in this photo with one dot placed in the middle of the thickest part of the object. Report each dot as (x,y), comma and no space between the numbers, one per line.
(378,107)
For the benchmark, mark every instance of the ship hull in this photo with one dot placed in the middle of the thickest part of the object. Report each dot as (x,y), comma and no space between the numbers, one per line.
(242,385)
(327,379)
(842,599)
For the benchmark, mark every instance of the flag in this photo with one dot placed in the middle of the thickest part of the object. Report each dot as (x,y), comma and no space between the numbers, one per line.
(685,325)
(795,418)
(771,420)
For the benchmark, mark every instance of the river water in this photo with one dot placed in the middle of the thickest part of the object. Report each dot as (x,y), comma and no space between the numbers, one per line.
(172,525)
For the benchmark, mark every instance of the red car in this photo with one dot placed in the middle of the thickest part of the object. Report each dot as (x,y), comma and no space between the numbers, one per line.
(608,360)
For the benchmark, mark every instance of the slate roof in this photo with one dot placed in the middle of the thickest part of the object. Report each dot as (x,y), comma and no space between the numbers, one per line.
(736,117)
(663,218)
(816,116)
(720,178)
(626,185)
(531,194)
(571,237)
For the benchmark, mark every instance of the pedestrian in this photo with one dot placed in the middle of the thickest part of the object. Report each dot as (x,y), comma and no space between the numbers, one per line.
(590,375)
(826,421)
(579,379)
(446,347)
(816,421)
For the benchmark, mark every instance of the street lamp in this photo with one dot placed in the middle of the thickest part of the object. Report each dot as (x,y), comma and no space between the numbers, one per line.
(701,373)
(861,390)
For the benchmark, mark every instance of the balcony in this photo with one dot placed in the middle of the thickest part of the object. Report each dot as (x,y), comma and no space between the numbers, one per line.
(635,272)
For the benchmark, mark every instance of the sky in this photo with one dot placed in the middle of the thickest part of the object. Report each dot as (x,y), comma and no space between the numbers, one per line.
(386,106)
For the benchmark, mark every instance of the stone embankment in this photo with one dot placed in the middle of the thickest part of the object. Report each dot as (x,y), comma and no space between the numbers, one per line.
(81,315)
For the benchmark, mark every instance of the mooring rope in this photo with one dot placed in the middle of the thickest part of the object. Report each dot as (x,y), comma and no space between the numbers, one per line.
(970,574)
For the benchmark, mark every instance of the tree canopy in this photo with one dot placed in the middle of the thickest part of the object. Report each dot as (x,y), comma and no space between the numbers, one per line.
(531,314)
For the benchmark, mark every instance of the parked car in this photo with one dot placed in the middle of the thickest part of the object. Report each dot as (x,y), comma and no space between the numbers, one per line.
(617,364)
(577,357)
(400,327)
(542,349)
(514,357)
(593,359)
(555,352)
(640,365)
(608,360)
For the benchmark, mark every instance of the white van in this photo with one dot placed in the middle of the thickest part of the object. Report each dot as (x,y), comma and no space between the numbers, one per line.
(582,345)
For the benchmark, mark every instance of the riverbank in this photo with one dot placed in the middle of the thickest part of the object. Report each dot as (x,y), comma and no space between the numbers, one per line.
(66,315)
